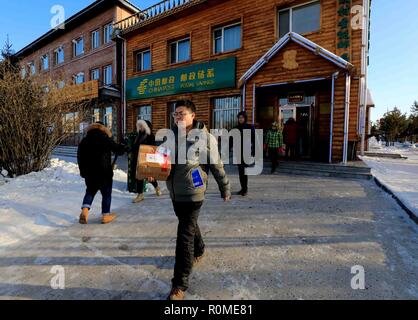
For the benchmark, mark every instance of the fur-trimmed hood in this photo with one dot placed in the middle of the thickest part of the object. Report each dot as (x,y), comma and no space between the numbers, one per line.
(146,125)
(98,126)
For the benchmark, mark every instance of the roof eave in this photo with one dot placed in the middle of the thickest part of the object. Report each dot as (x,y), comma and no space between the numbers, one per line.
(304,42)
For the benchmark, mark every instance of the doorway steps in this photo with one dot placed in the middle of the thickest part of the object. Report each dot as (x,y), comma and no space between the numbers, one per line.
(353,170)
(65,151)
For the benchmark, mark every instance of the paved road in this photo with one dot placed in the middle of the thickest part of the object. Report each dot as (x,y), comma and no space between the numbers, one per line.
(293,237)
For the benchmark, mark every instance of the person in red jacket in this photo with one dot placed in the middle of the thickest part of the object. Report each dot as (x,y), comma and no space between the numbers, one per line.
(290,137)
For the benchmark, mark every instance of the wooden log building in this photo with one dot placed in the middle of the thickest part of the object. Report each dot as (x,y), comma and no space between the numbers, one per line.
(275,59)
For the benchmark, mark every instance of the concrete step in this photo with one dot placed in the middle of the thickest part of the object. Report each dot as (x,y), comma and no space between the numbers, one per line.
(385,155)
(358,171)
(326,173)
(325,167)
(66,151)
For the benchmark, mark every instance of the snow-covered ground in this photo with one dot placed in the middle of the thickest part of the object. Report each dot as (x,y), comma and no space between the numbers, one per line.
(39,202)
(398,175)
(293,237)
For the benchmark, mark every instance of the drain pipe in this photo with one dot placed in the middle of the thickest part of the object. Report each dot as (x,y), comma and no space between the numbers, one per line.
(244,97)
(253,114)
(334,77)
(363,82)
(346,116)
(123,84)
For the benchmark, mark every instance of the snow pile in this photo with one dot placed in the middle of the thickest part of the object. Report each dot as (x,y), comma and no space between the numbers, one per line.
(3,176)
(36,203)
(408,145)
(4,172)
(374,144)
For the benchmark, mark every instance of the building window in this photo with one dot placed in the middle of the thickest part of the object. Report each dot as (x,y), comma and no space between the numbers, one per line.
(95,74)
(225,112)
(107,33)
(171,110)
(59,55)
(23,72)
(96,115)
(180,51)
(108,118)
(95,39)
(60,84)
(79,78)
(44,62)
(143,61)
(144,113)
(78,47)
(227,38)
(69,122)
(32,68)
(300,19)
(107,75)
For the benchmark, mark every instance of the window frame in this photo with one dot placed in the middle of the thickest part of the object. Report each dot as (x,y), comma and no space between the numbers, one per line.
(222,28)
(233,113)
(75,77)
(42,62)
(58,84)
(93,38)
(23,72)
(110,34)
(290,9)
(56,55)
(105,75)
(142,52)
(91,74)
(108,117)
(144,106)
(32,68)
(75,41)
(177,41)
(70,117)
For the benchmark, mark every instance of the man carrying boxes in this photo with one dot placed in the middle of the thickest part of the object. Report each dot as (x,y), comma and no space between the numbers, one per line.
(187,185)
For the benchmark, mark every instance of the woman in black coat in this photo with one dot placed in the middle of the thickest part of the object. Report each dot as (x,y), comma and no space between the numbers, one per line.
(94,158)
(145,137)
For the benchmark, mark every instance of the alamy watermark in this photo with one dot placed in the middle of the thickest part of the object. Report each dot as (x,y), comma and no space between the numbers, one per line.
(58,280)
(58,19)
(214,147)
(358,282)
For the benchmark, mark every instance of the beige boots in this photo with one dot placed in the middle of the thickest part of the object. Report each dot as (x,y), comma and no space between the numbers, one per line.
(140,197)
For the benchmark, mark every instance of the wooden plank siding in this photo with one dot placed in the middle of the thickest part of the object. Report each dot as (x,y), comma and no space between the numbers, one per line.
(259,34)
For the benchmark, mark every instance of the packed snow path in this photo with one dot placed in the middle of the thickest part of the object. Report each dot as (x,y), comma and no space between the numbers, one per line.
(293,237)
(400,176)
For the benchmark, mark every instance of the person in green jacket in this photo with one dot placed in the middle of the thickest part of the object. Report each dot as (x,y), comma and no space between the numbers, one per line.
(274,141)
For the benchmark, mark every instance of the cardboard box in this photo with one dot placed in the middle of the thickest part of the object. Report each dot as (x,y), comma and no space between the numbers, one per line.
(153,162)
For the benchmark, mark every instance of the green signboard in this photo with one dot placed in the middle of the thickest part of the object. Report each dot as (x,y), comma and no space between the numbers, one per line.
(210,75)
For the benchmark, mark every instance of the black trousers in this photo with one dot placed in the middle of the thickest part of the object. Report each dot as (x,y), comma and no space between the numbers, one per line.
(243,178)
(274,156)
(140,185)
(189,242)
(291,148)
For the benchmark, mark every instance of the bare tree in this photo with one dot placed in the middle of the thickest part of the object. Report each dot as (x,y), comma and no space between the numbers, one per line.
(31,120)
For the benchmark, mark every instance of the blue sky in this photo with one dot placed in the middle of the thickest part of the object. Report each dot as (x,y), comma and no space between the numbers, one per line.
(393,71)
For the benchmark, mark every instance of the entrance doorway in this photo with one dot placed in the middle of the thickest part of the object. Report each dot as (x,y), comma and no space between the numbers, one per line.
(304,114)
